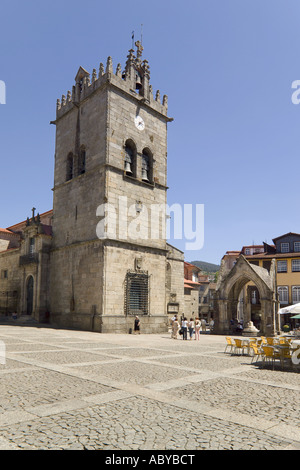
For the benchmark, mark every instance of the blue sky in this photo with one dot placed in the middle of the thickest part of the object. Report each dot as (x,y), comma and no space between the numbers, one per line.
(227,67)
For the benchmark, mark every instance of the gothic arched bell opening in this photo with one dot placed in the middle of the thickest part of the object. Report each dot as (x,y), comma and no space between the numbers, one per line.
(128,160)
(138,82)
(145,167)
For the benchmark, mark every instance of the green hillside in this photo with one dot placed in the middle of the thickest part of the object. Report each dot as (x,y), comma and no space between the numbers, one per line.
(206,267)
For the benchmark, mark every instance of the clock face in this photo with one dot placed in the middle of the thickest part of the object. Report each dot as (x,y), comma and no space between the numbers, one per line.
(139,123)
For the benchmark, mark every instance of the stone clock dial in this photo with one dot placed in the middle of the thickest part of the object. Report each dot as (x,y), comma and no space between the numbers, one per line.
(139,123)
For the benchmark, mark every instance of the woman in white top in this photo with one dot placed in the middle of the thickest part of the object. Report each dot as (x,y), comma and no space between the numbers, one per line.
(191,328)
(184,326)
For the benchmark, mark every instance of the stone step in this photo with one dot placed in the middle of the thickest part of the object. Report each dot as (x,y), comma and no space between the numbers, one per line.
(21,320)
(26,319)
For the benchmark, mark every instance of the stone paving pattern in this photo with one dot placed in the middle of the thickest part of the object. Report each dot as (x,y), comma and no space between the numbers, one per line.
(64,389)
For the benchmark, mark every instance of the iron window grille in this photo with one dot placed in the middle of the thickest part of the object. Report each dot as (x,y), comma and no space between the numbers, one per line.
(137,293)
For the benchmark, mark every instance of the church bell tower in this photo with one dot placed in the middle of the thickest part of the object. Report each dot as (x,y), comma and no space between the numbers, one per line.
(108,261)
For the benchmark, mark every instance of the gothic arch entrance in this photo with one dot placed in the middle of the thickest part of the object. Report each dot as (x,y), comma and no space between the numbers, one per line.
(244,302)
(29,295)
(246,292)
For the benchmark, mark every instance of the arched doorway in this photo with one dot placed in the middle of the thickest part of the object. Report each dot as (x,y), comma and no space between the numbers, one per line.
(244,303)
(247,291)
(29,295)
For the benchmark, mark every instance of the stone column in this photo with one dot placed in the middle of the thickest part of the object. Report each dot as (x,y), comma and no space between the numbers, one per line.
(221,323)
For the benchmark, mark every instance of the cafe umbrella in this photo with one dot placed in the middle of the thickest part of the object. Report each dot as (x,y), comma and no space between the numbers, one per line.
(290,309)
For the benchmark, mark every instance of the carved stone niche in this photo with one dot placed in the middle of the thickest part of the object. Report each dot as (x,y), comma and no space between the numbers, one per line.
(138,264)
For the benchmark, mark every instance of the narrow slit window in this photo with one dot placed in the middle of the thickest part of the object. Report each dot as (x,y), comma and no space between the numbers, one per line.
(82,161)
(70,167)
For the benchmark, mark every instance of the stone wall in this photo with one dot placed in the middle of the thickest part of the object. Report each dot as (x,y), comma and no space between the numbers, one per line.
(76,284)
(10,286)
(175,302)
(118,260)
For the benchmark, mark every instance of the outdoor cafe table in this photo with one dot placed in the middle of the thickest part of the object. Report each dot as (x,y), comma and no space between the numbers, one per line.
(246,342)
(281,348)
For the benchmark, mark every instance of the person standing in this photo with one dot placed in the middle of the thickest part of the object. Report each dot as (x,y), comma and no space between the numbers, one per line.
(203,324)
(137,325)
(197,329)
(184,326)
(175,327)
(191,328)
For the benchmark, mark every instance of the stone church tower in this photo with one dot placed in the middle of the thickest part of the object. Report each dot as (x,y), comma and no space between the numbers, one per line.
(109,254)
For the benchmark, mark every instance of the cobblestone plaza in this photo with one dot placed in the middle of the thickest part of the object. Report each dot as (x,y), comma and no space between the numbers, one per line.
(65,389)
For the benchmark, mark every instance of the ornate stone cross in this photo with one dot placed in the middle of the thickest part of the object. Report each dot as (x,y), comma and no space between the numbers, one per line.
(139,49)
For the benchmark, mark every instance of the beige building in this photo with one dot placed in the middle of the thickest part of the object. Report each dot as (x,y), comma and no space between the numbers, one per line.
(191,290)
(103,258)
(206,298)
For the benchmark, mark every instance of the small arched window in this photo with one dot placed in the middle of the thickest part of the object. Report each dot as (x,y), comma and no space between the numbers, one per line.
(130,158)
(70,167)
(147,166)
(82,161)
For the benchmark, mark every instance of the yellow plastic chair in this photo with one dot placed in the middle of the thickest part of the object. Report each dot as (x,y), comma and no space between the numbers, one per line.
(239,345)
(250,343)
(262,341)
(230,343)
(283,341)
(253,341)
(257,352)
(285,354)
(270,355)
(270,341)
